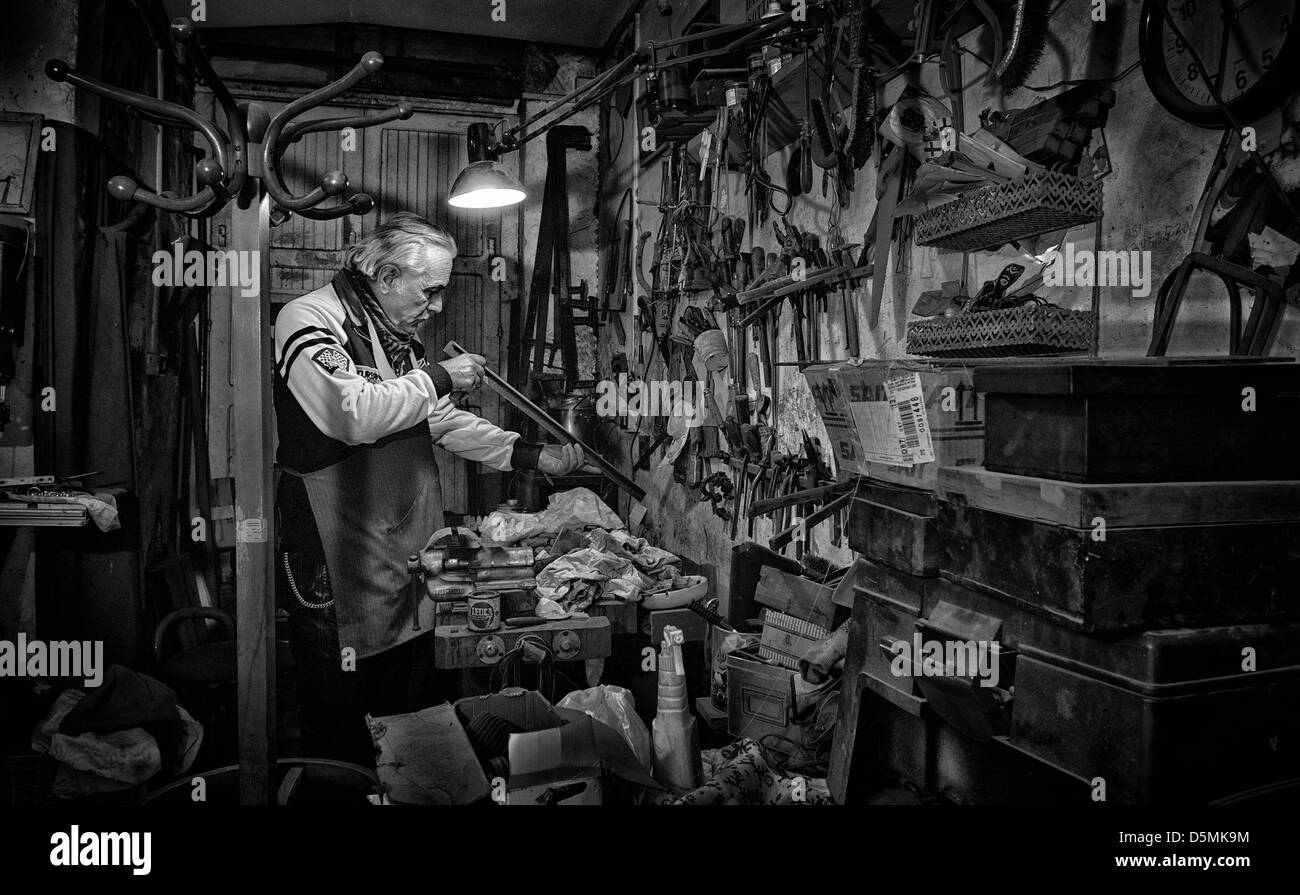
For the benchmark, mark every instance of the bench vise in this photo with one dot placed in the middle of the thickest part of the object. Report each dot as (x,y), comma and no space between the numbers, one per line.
(454,564)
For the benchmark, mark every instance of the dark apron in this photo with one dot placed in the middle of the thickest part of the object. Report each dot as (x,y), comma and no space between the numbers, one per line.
(373,510)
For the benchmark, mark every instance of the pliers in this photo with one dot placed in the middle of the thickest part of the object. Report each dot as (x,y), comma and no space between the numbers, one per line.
(791,240)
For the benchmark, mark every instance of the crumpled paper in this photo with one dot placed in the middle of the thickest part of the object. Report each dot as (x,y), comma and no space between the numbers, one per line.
(644,555)
(579,578)
(576,508)
(613,565)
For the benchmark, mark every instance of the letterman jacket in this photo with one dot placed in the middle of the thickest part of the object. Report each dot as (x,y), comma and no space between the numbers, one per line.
(330,401)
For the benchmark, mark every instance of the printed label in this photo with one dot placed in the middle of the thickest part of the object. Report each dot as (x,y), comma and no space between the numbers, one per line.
(908,402)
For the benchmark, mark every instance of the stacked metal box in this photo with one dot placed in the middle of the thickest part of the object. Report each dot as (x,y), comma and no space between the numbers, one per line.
(1130,544)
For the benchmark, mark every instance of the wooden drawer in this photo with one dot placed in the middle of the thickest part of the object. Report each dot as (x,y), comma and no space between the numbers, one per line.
(456,646)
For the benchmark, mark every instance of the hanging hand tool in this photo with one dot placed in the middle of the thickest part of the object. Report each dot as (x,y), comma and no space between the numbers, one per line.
(643,462)
(781,540)
(861,138)
(886,199)
(819,493)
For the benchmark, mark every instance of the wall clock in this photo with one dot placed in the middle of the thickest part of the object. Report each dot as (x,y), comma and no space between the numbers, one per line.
(1249,48)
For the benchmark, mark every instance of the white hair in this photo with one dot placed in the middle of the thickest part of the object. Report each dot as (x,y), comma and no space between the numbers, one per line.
(399,241)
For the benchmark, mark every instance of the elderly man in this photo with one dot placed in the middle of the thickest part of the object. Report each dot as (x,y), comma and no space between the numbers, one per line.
(358,411)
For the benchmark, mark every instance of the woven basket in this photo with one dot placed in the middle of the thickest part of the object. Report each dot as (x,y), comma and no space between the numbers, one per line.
(1026,330)
(995,215)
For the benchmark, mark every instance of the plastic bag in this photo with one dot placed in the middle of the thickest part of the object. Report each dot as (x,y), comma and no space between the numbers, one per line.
(579,508)
(576,509)
(614,706)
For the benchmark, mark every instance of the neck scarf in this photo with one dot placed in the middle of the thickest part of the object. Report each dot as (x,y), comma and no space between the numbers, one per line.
(395,342)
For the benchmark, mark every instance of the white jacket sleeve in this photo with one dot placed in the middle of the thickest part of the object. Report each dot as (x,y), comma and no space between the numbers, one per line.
(343,404)
(469,436)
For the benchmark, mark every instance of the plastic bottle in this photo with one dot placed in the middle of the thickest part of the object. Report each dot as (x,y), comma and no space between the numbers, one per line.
(676,741)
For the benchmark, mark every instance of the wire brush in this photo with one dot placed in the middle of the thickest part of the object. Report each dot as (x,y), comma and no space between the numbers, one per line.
(1025,45)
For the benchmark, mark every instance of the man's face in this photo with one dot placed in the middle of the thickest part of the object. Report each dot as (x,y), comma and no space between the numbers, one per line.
(409,296)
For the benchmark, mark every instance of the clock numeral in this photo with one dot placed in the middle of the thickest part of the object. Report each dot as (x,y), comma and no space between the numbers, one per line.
(1189,9)
(1179,46)
(1241,79)
(1266,58)
(1192,71)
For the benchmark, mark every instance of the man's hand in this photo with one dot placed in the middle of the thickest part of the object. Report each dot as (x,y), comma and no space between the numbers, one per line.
(465,370)
(557,460)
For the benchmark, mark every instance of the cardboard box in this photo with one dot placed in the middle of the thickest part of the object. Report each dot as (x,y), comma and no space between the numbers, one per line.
(426,759)
(899,421)
(804,598)
(555,766)
(558,750)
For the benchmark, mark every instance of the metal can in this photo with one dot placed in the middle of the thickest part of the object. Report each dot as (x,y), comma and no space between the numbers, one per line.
(484,611)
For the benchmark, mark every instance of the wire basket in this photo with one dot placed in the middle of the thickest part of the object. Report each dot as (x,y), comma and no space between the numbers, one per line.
(995,215)
(1027,330)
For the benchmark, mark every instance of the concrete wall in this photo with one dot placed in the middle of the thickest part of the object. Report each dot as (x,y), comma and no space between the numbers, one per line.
(1160,165)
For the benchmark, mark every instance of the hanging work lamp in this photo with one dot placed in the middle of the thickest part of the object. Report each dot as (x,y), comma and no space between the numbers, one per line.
(484,182)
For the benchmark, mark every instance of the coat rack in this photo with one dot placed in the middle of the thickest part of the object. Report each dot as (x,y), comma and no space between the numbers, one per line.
(243,168)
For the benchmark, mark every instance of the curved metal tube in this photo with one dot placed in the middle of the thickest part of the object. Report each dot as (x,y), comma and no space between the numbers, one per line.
(294,132)
(59,70)
(207,211)
(370,63)
(126,189)
(183,33)
(212,172)
(358,203)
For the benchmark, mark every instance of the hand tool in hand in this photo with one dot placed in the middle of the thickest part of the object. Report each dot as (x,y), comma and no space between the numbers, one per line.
(553,428)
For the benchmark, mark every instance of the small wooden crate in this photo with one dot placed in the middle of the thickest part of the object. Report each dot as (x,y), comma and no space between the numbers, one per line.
(801,597)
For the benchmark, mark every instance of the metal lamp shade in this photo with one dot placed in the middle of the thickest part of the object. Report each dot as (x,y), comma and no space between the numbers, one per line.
(485,184)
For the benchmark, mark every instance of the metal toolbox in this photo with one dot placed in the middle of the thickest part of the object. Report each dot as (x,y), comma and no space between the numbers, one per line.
(897,527)
(760,697)
(1125,556)
(1158,420)
(1165,716)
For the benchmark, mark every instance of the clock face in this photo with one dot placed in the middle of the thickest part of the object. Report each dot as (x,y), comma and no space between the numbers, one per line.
(1244,49)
